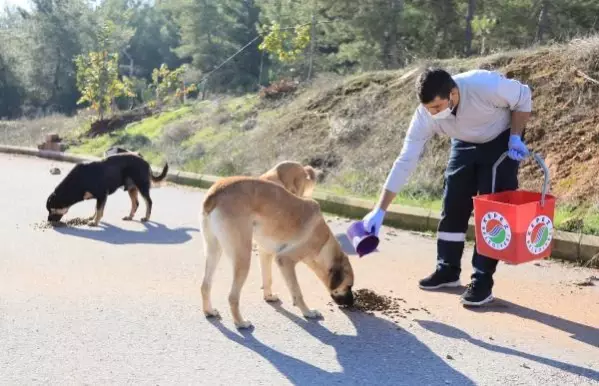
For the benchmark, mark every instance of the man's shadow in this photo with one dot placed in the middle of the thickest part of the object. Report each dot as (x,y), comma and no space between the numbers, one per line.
(380,353)
(454,333)
(580,332)
(154,233)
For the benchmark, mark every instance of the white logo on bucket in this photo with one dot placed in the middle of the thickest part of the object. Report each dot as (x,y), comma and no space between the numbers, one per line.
(539,234)
(496,231)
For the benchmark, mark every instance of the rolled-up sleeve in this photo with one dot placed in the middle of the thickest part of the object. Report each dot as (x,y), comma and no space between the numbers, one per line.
(419,132)
(513,94)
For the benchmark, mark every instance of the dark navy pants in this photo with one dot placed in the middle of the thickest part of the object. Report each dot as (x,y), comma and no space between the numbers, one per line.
(469,171)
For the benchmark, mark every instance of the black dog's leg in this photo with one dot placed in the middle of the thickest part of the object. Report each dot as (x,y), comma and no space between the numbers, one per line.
(145,193)
(100,204)
(134,203)
(89,196)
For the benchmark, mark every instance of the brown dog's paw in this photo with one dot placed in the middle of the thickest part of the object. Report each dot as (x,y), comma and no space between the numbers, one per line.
(312,314)
(244,325)
(212,313)
(272,298)
(127,218)
(145,219)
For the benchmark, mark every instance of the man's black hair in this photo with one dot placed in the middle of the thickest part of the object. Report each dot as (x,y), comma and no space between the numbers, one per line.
(432,83)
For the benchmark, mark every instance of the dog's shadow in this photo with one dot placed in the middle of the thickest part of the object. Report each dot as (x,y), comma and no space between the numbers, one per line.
(379,353)
(154,233)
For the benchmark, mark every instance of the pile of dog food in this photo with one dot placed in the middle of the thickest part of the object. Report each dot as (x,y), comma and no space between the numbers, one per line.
(368,301)
(74,222)
(42,225)
(77,221)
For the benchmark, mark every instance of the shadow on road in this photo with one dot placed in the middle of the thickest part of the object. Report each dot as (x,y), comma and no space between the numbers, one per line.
(379,353)
(580,332)
(583,333)
(455,333)
(155,233)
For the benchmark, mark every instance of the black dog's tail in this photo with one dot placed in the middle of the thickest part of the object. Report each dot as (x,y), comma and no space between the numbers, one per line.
(157,181)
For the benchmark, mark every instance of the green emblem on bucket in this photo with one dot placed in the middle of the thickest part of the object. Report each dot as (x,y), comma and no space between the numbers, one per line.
(539,234)
(496,231)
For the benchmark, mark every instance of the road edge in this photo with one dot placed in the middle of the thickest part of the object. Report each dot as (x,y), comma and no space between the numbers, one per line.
(568,246)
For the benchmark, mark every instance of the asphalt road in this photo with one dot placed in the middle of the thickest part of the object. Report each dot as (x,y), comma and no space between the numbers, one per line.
(120,304)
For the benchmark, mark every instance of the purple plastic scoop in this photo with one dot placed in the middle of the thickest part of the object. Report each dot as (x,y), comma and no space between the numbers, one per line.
(363,242)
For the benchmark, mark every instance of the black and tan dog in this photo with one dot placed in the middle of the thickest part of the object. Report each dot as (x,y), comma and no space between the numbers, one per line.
(99,179)
(128,185)
(120,150)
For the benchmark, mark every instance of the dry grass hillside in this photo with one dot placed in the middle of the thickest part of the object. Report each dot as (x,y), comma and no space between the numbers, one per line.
(352,128)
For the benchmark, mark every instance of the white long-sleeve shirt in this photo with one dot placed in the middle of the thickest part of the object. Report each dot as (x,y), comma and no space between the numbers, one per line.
(487,99)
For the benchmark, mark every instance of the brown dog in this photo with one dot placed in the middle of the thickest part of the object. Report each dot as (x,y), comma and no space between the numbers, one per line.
(299,180)
(238,209)
(296,178)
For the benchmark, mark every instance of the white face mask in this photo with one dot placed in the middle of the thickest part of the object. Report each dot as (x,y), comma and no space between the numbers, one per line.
(443,114)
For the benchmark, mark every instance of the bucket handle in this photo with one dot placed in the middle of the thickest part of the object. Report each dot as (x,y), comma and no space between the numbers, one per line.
(541,163)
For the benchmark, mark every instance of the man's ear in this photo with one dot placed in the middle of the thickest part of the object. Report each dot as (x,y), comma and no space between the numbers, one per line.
(454,94)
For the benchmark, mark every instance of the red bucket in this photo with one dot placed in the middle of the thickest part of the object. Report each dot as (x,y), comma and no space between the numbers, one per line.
(515,226)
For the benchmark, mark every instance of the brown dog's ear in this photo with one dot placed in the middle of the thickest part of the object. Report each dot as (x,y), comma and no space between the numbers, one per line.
(319,175)
(335,277)
(311,173)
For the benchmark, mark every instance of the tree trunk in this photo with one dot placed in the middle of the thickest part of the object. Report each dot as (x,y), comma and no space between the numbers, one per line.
(469,17)
(312,37)
(391,47)
(130,62)
(543,19)
(482,45)
(445,16)
(56,80)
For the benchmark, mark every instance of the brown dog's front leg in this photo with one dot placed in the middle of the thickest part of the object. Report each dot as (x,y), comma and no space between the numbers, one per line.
(287,268)
(266,268)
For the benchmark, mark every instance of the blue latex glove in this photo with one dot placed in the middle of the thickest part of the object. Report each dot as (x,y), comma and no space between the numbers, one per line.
(373,221)
(517,150)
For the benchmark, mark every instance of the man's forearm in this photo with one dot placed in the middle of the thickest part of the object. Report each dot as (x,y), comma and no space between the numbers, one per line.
(385,199)
(519,119)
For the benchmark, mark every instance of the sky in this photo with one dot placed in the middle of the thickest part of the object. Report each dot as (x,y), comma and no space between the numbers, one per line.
(20,3)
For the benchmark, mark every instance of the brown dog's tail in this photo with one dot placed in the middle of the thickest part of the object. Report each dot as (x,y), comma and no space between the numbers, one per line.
(209,203)
(157,181)
(310,172)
